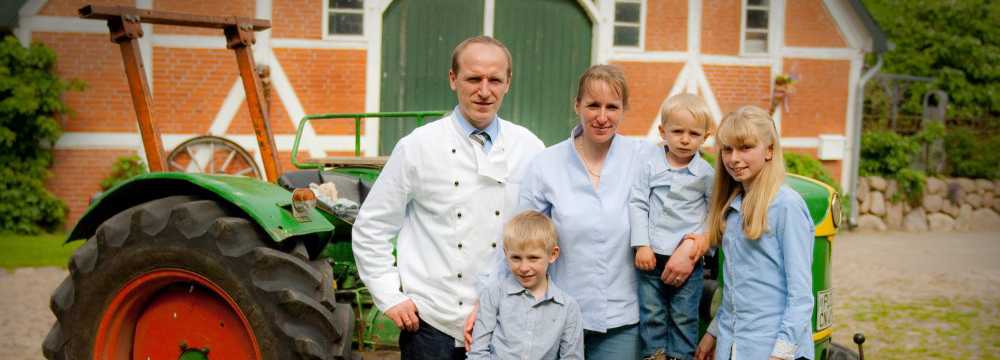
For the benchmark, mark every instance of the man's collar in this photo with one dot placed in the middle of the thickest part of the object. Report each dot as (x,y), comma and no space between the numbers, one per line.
(493,129)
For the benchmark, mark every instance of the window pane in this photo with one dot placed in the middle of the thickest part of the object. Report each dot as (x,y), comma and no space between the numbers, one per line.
(626,36)
(347,4)
(757,19)
(351,24)
(757,2)
(755,43)
(627,12)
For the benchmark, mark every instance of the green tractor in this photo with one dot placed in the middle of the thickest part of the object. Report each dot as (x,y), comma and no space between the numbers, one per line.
(196,266)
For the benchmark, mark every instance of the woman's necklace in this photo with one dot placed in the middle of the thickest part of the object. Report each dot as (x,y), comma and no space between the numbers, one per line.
(586,164)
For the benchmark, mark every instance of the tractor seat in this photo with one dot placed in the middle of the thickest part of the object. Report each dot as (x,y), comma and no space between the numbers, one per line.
(348,187)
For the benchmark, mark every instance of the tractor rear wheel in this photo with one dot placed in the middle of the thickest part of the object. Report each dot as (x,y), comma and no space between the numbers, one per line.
(183,276)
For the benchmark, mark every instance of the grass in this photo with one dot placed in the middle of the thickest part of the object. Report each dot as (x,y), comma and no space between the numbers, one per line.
(35,250)
(938,328)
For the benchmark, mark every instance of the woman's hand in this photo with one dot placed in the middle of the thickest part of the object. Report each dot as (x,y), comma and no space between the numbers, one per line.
(645,260)
(706,348)
(701,245)
(680,265)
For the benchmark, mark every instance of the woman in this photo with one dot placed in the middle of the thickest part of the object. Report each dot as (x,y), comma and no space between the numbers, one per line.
(583,184)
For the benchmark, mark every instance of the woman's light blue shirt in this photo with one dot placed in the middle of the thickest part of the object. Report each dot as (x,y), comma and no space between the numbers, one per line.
(595,261)
(767,300)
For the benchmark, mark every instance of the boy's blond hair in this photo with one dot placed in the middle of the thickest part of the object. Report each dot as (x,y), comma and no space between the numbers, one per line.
(691,103)
(530,229)
(748,125)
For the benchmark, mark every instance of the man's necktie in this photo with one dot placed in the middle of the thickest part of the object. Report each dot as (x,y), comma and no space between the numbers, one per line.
(480,137)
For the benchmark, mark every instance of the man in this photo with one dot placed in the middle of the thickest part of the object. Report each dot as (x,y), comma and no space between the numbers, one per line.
(443,195)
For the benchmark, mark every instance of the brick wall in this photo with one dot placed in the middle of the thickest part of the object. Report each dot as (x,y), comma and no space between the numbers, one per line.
(244,8)
(648,85)
(735,86)
(77,175)
(329,81)
(819,105)
(300,19)
(105,104)
(808,23)
(666,25)
(720,27)
(189,86)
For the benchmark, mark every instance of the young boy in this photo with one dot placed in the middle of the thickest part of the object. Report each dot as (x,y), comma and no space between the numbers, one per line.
(669,200)
(522,314)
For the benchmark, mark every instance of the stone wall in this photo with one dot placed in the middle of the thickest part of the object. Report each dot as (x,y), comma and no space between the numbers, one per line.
(948,204)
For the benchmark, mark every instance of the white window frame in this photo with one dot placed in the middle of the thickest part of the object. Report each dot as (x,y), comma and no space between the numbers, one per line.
(327,11)
(745,8)
(642,26)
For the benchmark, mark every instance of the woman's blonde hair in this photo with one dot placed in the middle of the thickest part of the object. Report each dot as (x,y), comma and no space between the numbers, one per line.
(748,125)
(611,75)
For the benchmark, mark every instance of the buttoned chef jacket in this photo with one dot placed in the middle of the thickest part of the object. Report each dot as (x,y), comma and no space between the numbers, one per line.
(767,300)
(445,199)
(595,259)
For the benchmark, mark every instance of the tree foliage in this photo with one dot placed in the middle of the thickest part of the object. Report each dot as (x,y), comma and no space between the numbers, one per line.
(30,98)
(956,42)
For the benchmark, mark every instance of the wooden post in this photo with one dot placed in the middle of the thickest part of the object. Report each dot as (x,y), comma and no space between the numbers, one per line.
(126,31)
(240,39)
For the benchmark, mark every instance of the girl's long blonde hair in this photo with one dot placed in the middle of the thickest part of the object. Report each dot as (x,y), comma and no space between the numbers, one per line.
(748,125)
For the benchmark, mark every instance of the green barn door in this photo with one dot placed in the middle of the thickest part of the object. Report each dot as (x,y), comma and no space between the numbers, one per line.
(550,42)
(417,39)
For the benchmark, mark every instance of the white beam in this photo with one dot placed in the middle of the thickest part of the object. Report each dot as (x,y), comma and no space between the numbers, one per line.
(283,87)
(43,23)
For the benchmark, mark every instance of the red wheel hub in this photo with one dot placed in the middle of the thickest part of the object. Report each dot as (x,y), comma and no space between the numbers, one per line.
(159,314)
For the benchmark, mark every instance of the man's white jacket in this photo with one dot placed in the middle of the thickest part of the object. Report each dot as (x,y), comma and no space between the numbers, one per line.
(446,200)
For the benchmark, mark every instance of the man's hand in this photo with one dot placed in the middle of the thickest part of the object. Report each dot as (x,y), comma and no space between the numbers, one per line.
(706,348)
(404,315)
(701,245)
(680,265)
(470,322)
(645,260)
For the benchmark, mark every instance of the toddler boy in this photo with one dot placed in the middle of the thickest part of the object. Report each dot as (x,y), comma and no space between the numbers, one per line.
(669,201)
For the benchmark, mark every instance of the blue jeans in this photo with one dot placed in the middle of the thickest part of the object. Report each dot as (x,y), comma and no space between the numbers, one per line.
(428,343)
(616,344)
(668,316)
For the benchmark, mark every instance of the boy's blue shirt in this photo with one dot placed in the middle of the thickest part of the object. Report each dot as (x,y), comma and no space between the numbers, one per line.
(511,323)
(666,203)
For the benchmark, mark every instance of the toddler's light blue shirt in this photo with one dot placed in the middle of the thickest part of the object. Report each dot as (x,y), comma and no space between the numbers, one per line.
(666,203)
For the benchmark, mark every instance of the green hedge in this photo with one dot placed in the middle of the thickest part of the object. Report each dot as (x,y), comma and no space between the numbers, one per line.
(972,155)
(30,98)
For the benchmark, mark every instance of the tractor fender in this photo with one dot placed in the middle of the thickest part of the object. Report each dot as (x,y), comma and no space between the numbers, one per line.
(267,204)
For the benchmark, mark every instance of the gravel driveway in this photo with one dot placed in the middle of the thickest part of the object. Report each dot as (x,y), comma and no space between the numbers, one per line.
(898,288)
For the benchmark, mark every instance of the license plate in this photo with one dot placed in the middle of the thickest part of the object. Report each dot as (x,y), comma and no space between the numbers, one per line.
(824,309)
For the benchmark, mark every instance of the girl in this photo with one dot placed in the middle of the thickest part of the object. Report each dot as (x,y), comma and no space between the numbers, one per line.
(767,235)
